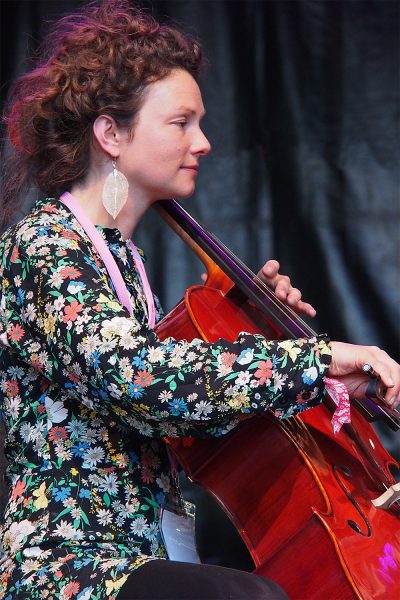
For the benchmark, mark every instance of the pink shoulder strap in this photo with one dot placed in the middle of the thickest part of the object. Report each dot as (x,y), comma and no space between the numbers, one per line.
(108,259)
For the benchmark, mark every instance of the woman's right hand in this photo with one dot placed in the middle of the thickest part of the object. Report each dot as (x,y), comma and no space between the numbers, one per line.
(347,366)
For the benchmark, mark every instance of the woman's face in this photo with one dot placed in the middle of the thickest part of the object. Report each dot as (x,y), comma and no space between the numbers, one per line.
(161,160)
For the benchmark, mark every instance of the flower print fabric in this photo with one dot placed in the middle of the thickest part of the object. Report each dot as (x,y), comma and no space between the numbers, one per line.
(87,394)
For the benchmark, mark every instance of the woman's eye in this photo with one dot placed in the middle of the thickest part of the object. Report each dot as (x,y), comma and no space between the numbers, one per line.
(181,123)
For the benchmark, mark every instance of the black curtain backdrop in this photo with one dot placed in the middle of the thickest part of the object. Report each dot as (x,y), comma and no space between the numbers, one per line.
(302,99)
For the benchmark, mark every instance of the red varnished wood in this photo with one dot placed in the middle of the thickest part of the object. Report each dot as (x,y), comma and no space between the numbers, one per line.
(291,487)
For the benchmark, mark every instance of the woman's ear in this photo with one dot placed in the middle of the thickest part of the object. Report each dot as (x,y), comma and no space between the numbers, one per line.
(107,134)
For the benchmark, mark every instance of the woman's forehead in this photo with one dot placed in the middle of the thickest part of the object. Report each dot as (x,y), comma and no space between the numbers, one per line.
(178,91)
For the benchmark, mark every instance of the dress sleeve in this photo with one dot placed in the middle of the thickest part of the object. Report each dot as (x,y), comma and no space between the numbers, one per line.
(61,317)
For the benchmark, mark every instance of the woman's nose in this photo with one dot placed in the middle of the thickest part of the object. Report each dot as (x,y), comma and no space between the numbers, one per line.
(201,145)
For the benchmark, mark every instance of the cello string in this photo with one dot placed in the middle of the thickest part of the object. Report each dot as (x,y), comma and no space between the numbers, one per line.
(263,288)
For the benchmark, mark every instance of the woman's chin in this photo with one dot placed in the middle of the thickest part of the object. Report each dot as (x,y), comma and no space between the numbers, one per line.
(172,196)
(176,194)
(183,194)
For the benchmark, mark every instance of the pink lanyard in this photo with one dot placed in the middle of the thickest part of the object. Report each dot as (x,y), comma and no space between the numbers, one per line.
(108,259)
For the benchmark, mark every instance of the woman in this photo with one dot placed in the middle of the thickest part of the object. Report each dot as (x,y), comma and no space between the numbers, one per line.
(106,125)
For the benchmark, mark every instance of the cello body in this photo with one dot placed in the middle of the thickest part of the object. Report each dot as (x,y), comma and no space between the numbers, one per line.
(300,497)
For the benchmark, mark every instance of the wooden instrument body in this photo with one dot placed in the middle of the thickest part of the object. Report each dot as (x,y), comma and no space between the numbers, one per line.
(299,496)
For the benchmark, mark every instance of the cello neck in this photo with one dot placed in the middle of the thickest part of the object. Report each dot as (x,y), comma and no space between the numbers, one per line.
(212,251)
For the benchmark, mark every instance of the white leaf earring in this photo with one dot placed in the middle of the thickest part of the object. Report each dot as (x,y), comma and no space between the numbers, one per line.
(115,191)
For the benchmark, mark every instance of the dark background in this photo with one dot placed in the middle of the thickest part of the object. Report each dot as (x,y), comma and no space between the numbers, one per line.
(302,99)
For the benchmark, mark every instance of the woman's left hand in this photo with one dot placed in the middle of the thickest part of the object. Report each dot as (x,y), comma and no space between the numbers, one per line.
(283,288)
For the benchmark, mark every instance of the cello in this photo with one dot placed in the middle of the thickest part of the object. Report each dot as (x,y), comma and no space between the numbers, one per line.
(315,494)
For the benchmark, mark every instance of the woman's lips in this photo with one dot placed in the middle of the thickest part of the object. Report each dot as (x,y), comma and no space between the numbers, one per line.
(193,168)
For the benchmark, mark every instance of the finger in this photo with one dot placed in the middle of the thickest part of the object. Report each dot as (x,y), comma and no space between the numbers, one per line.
(393,401)
(283,287)
(303,308)
(294,296)
(392,396)
(270,269)
(204,277)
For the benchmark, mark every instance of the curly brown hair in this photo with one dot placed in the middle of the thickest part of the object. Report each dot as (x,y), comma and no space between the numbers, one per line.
(98,60)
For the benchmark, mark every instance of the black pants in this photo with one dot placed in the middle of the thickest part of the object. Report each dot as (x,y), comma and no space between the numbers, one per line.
(168,580)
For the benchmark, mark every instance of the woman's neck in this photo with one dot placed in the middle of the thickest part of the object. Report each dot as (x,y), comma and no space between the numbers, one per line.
(89,196)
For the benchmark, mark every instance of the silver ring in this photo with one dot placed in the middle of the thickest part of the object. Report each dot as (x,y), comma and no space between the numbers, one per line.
(368,370)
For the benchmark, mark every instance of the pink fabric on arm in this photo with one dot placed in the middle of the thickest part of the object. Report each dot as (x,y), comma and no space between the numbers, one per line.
(339,394)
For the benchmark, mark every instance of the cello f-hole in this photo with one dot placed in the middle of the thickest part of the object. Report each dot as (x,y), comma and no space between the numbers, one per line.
(355,526)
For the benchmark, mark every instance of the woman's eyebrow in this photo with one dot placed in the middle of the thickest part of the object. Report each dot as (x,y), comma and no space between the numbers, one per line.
(190,110)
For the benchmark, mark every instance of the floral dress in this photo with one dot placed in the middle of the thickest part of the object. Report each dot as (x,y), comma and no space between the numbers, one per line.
(87,394)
